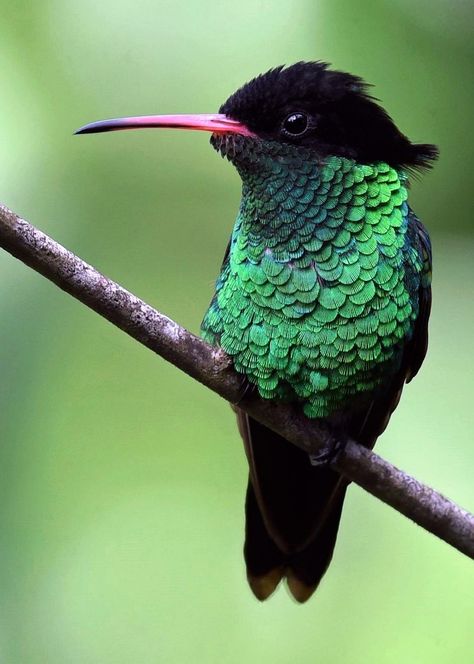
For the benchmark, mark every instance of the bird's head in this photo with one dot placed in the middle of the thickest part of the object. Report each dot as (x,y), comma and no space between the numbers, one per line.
(305,110)
(330,112)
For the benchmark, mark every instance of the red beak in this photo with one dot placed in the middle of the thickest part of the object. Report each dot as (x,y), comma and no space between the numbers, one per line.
(216,123)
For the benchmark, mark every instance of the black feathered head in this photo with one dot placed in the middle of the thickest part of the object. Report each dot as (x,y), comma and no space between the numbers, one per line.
(329,111)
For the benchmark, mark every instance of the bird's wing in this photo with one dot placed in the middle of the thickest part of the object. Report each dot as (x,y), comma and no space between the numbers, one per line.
(365,427)
(419,342)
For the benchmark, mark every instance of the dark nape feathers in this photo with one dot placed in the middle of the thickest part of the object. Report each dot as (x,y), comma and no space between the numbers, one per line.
(343,118)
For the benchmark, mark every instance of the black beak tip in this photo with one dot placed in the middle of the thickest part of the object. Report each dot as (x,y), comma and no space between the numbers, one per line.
(87,129)
(96,127)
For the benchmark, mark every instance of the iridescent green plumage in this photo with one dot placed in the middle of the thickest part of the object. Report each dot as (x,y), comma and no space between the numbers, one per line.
(323,297)
(317,293)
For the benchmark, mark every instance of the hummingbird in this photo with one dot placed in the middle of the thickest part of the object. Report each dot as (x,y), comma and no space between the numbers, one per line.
(324,293)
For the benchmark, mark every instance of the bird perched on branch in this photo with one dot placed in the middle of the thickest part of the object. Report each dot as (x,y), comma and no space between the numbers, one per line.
(324,293)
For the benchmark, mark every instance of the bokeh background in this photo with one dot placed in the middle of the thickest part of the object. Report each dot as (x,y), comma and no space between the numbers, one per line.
(121,480)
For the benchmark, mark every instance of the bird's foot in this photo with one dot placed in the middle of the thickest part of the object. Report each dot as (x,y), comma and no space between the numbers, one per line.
(246,389)
(333,444)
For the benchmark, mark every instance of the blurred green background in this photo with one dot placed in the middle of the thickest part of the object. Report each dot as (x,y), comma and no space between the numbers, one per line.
(122,480)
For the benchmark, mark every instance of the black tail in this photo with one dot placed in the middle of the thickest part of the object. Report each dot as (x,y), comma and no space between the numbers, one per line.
(292,514)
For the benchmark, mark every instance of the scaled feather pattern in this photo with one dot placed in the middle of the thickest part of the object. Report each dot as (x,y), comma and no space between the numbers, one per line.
(319,290)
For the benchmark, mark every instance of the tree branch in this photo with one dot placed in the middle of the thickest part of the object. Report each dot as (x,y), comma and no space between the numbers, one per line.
(213,368)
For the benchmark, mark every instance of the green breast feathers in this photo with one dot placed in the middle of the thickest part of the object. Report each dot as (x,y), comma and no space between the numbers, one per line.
(319,290)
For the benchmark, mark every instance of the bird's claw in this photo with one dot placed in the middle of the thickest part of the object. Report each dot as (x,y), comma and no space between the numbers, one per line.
(328,452)
(245,390)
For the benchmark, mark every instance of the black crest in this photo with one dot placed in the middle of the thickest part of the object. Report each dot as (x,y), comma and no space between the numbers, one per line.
(331,111)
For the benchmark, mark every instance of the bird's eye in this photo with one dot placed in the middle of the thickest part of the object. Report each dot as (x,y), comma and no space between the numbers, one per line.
(295,124)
